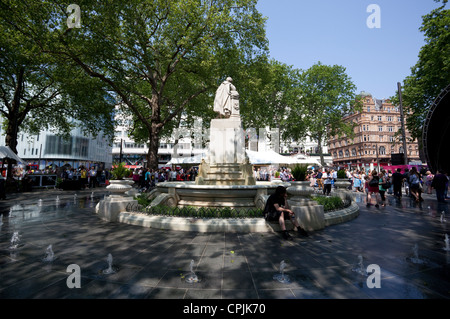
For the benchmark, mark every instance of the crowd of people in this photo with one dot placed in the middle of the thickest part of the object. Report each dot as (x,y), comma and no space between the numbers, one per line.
(376,184)
(146,178)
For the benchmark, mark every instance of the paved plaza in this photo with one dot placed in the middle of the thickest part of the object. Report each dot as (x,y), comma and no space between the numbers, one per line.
(405,240)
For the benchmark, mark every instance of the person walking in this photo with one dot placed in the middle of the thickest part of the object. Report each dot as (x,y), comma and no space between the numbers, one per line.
(92,177)
(428,181)
(397,181)
(374,188)
(414,184)
(326,177)
(440,183)
(383,187)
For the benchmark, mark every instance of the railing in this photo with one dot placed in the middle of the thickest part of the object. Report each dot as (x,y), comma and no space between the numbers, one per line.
(40,181)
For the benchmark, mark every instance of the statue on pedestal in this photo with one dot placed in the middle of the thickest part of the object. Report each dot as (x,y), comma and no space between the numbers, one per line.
(226,102)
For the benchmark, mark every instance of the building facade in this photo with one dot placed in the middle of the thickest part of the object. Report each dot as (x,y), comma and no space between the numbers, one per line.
(48,149)
(377,136)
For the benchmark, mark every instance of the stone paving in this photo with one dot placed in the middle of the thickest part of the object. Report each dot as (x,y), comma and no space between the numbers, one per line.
(153,264)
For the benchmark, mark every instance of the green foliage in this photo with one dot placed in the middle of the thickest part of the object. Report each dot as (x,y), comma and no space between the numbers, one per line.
(431,74)
(326,95)
(204,212)
(341,174)
(119,171)
(299,172)
(157,58)
(41,91)
(329,203)
(143,199)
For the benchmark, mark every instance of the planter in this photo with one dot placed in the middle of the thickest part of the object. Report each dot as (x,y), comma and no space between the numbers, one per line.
(300,192)
(342,183)
(119,186)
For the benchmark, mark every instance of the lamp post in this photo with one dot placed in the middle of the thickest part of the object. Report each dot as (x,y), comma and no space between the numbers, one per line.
(402,119)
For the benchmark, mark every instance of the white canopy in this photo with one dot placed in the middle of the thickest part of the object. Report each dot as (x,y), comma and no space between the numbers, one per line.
(268,157)
(197,159)
(255,158)
(6,152)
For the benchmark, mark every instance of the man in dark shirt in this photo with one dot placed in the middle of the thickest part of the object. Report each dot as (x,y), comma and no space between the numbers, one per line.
(439,183)
(276,209)
(397,180)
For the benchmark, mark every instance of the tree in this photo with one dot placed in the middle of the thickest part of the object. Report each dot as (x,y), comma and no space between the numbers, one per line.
(326,96)
(431,74)
(39,92)
(272,97)
(159,57)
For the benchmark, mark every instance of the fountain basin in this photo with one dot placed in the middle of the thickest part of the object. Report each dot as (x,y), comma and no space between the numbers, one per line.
(182,194)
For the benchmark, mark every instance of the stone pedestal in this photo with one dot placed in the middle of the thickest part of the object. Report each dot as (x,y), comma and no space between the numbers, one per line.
(227,162)
(110,208)
(311,218)
(227,143)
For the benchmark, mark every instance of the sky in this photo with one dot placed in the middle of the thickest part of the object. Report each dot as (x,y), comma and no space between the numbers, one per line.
(304,32)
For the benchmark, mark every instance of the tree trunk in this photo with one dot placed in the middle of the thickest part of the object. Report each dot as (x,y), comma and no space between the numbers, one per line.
(153,145)
(13,119)
(319,148)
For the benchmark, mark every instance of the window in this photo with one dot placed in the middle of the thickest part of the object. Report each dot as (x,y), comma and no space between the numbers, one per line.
(379,117)
(340,154)
(382,150)
(380,138)
(391,138)
(353,152)
(389,118)
(368,109)
(347,153)
(380,128)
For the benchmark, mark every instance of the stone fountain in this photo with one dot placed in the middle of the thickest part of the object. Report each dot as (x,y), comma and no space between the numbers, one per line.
(225,176)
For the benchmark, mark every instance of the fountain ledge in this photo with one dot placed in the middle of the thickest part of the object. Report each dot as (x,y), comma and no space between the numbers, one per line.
(226,224)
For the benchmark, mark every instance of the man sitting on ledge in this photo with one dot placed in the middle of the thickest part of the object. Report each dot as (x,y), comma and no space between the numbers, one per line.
(277,209)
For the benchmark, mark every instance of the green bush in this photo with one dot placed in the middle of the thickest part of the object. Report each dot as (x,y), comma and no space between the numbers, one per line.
(204,212)
(341,174)
(143,199)
(329,203)
(120,171)
(299,172)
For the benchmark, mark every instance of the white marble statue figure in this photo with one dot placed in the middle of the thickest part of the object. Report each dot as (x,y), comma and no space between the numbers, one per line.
(226,102)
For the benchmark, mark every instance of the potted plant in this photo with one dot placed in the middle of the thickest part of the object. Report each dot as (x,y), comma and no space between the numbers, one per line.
(342,181)
(118,183)
(120,171)
(299,172)
(341,174)
(300,189)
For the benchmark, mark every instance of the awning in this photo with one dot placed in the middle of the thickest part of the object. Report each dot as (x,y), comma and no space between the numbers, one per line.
(269,157)
(197,159)
(6,152)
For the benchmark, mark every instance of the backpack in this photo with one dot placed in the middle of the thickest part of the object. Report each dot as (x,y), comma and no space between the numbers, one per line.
(374,182)
(413,179)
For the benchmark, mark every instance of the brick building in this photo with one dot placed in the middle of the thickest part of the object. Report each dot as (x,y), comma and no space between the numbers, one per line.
(377,136)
